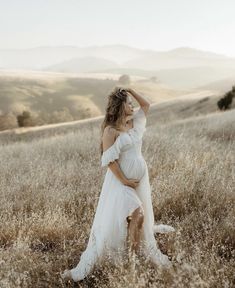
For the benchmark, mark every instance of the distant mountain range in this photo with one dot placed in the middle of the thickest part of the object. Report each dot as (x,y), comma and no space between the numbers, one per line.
(181,68)
(41,57)
(120,55)
(85,64)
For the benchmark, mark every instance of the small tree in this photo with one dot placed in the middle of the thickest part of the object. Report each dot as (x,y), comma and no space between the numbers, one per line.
(124,79)
(153,79)
(225,102)
(24,119)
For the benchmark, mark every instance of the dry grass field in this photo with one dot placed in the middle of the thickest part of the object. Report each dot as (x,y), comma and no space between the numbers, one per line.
(50,186)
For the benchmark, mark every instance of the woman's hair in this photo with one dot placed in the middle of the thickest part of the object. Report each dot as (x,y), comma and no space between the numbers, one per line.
(115,111)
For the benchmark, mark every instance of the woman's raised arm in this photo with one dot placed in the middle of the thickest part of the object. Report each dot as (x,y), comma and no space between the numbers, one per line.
(143,102)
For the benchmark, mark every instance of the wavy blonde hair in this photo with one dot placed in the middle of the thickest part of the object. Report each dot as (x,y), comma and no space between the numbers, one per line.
(115,111)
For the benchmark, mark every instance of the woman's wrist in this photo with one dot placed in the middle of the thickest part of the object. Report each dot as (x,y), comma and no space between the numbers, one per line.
(129,90)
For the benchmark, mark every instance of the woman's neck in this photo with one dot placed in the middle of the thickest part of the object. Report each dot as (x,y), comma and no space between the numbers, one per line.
(126,125)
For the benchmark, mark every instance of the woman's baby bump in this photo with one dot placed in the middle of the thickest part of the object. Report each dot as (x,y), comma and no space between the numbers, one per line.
(133,167)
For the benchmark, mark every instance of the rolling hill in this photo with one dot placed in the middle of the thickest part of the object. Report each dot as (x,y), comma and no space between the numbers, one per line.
(221,86)
(85,64)
(181,108)
(59,97)
(183,67)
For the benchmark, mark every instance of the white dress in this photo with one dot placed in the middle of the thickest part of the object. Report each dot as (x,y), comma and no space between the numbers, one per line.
(117,201)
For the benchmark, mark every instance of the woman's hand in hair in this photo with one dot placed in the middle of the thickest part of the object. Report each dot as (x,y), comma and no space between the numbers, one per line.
(129,90)
(143,102)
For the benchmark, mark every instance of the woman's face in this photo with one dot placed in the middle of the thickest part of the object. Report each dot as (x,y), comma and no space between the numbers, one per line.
(129,108)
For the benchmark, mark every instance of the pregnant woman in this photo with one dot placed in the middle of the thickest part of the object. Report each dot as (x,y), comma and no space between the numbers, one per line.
(124,220)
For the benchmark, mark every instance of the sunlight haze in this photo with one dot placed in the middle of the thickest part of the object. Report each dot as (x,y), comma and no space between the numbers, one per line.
(152,24)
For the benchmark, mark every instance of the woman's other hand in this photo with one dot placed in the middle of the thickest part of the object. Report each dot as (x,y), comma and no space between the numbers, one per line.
(132,183)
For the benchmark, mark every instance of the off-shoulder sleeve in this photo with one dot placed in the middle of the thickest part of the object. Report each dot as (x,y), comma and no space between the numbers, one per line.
(139,121)
(110,154)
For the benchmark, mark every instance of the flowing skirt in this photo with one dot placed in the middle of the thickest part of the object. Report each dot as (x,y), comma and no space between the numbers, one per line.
(109,229)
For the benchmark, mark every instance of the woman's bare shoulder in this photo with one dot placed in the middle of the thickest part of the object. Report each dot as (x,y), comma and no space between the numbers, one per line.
(109,136)
(110,130)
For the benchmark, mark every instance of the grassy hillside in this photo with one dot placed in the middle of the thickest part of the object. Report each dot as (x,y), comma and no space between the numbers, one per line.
(56,98)
(44,97)
(222,86)
(50,187)
(164,112)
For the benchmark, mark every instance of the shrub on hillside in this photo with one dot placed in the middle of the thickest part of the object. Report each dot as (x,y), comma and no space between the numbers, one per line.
(225,102)
(124,79)
(153,79)
(25,119)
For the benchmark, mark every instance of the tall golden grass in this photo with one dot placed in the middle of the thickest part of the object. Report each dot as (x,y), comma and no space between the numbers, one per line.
(50,189)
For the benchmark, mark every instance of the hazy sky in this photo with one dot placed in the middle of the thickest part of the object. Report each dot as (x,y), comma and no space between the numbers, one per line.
(151,24)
